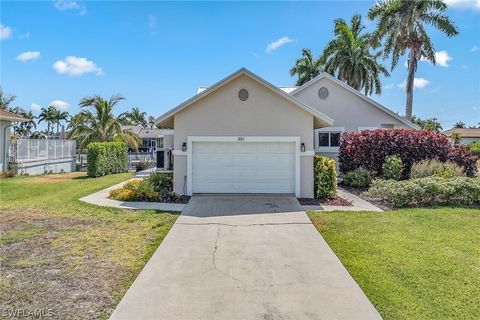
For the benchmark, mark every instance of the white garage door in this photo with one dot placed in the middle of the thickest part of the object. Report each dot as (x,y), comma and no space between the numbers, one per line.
(243,167)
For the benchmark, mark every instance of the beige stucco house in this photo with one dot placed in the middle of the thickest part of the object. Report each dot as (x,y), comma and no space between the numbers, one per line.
(245,135)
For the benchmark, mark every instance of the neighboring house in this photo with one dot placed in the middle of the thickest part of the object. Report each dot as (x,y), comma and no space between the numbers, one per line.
(7,120)
(245,135)
(467,135)
(152,139)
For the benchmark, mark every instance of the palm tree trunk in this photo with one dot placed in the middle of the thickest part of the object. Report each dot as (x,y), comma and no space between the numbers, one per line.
(412,66)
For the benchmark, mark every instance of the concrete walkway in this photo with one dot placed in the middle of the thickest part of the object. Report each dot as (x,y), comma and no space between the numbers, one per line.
(244,257)
(101,198)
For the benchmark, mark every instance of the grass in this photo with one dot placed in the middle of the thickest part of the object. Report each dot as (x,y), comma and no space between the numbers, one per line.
(63,254)
(411,263)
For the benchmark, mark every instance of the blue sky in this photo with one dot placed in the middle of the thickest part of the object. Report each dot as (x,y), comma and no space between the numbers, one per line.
(157,54)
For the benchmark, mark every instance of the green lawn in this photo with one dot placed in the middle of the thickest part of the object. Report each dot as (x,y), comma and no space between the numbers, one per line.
(411,263)
(62,254)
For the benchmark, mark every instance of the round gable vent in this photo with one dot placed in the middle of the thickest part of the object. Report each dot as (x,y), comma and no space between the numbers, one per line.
(323,93)
(243,94)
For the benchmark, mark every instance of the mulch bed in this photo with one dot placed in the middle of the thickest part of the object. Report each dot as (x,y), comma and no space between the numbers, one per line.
(318,202)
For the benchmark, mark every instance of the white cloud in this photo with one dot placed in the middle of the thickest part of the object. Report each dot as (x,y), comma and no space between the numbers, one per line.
(5,32)
(25,36)
(28,55)
(442,58)
(152,21)
(277,44)
(35,107)
(463,4)
(388,86)
(418,83)
(59,104)
(475,48)
(65,5)
(76,66)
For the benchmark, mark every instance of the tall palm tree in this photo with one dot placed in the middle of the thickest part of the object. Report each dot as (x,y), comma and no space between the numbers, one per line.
(306,67)
(401,26)
(151,122)
(136,117)
(6,100)
(99,124)
(47,115)
(57,117)
(348,57)
(28,125)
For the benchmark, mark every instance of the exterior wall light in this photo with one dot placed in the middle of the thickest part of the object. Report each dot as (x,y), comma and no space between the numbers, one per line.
(184,147)
(302,147)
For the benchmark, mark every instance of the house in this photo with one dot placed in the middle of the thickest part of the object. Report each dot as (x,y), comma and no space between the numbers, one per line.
(466,135)
(6,122)
(152,139)
(245,135)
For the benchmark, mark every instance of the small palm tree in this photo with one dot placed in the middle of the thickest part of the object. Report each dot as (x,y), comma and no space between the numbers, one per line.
(348,57)
(459,124)
(306,67)
(99,124)
(136,117)
(57,117)
(28,125)
(6,101)
(401,26)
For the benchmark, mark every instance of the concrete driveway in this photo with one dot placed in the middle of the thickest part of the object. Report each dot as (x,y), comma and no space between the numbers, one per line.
(244,257)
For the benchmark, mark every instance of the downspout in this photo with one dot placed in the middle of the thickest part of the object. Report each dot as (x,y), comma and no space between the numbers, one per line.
(5,156)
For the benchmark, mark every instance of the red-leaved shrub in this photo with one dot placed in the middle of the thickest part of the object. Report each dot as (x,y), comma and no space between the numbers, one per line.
(369,148)
(462,156)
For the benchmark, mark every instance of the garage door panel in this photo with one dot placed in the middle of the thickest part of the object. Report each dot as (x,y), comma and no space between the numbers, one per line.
(243,167)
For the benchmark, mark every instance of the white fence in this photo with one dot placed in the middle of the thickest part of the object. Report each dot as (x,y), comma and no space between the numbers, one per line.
(24,150)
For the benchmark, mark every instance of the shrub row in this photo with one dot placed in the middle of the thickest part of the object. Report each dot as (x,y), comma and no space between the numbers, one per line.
(475,148)
(369,148)
(157,187)
(429,191)
(325,178)
(105,158)
(433,167)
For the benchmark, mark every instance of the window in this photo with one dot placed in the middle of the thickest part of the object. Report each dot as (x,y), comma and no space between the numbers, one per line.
(327,138)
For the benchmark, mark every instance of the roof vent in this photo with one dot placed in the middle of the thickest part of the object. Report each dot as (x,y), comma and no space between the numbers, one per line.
(243,94)
(323,93)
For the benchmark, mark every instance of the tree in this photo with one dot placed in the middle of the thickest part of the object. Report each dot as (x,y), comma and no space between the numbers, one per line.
(136,117)
(401,26)
(96,123)
(431,124)
(47,115)
(348,57)
(6,100)
(57,117)
(459,124)
(28,125)
(306,67)
(151,122)
(456,138)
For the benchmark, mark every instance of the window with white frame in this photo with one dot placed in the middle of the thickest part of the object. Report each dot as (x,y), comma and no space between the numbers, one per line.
(328,138)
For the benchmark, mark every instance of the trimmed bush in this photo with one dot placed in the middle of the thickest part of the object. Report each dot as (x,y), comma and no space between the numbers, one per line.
(433,167)
(105,158)
(393,168)
(475,148)
(325,185)
(369,148)
(358,178)
(429,191)
(460,155)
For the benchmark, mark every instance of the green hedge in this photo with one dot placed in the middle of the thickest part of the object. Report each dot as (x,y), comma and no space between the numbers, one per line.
(325,185)
(429,191)
(106,157)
